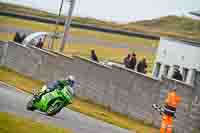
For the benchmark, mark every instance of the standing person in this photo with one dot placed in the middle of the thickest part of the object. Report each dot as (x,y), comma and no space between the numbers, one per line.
(171,104)
(94,56)
(17,37)
(177,75)
(127,61)
(133,61)
(40,44)
(23,37)
(142,66)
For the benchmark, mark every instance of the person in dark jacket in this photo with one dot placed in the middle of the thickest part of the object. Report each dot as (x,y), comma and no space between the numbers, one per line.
(94,56)
(133,61)
(17,37)
(23,37)
(142,66)
(127,61)
(40,44)
(177,75)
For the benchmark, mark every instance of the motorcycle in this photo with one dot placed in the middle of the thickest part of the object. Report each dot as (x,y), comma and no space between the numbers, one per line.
(51,103)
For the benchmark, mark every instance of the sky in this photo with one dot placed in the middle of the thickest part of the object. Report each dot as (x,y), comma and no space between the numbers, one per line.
(121,11)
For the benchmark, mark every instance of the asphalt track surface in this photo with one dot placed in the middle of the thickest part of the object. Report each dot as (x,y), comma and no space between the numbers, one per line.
(14,101)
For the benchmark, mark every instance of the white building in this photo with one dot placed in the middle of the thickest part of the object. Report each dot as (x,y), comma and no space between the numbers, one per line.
(179,53)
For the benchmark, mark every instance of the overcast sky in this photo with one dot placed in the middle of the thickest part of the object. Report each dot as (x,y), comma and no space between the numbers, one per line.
(119,10)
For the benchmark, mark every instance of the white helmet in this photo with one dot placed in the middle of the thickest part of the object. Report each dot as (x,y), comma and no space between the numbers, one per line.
(71,79)
(173,89)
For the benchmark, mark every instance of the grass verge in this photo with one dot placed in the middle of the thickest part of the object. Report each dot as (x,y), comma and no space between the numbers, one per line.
(84,106)
(6,36)
(174,26)
(104,52)
(9,123)
(38,26)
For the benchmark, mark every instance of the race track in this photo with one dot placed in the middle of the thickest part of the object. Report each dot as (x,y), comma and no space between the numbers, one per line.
(14,101)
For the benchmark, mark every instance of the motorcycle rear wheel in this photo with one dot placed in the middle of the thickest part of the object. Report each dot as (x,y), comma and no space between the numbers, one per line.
(29,106)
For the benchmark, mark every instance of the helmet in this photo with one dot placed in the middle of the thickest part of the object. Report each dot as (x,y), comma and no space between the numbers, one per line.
(173,89)
(71,80)
(176,69)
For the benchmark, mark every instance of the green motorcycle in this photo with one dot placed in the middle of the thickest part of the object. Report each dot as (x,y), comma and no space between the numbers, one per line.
(51,103)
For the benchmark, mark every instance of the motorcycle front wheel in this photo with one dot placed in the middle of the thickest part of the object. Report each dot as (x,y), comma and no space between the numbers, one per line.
(55,108)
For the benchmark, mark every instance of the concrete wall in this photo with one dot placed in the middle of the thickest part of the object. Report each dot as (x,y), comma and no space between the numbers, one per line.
(195,118)
(120,89)
(1,51)
(36,63)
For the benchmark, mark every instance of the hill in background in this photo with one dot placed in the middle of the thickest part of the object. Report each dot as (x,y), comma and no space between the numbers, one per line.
(174,26)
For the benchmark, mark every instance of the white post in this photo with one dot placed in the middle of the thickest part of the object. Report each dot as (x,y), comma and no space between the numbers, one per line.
(182,71)
(51,44)
(162,70)
(67,24)
(191,76)
(171,71)
(5,51)
(154,70)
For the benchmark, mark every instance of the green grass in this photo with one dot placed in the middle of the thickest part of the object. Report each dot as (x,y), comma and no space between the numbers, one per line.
(37,26)
(175,26)
(20,23)
(25,10)
(82,49)
(18,80)
(80,105)
(102,113)
(196,131)
(105,53)
(10,123)
(6,36)
(131,41)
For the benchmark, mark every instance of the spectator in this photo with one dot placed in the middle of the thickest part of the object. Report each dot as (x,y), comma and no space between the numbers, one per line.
(133,61)
(127,61)
(177,75)
(40,44)
(142,66)
(17,37)
(94,56)
(23,37)
(20,38)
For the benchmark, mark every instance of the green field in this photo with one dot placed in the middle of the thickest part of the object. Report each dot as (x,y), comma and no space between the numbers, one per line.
(10,123)
(80,105)
(24,10)
(37,26)
(174,26)
(82,49)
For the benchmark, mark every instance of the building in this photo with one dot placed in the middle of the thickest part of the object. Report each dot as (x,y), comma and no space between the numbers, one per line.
(196,13)
(178,53)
